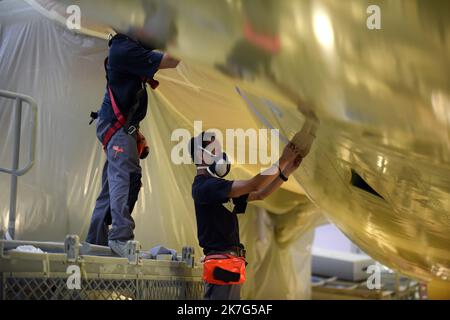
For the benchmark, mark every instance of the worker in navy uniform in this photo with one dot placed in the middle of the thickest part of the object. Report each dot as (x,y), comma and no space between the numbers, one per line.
(129,67)
(218,201)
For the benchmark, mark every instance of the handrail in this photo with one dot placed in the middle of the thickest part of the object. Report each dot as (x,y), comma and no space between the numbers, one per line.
(31,149)
(15,171)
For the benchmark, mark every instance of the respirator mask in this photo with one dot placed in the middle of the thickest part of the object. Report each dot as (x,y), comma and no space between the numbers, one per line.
(219,165)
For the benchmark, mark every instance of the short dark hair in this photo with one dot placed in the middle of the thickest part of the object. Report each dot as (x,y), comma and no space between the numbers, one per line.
(203,139)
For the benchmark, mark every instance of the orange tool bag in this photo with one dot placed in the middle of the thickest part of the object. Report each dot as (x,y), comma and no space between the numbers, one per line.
(224,269)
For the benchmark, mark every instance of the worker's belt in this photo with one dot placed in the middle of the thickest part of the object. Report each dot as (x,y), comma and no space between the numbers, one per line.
(224,269)
(235,251)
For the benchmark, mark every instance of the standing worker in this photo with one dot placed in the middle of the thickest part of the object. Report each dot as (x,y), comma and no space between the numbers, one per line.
(217,202)
(129,67)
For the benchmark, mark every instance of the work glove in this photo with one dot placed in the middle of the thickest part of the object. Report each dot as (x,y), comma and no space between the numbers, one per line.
(142,146)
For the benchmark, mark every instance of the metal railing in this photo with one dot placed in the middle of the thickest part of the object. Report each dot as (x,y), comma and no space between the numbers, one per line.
(15,171)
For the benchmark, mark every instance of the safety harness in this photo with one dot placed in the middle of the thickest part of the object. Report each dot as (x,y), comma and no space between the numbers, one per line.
(123,121)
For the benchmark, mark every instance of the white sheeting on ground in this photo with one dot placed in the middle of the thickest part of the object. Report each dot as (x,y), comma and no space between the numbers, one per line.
(29,249)
(63,71)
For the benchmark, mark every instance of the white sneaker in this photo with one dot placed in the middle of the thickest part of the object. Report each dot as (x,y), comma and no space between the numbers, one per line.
(145,255)
(118,247)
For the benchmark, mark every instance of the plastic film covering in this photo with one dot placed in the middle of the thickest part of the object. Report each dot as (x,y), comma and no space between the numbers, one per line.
(63,72)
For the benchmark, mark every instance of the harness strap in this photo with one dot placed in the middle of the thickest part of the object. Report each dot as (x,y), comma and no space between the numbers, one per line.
(123,121)
(139,96)
(111,131)
(118,114)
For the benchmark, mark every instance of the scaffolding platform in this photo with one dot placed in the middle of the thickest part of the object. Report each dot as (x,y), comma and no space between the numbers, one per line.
(80,271)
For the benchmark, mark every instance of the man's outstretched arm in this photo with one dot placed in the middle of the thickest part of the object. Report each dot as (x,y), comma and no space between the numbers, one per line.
(263,193)
(262,180)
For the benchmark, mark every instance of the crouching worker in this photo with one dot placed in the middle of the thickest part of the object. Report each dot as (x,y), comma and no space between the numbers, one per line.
(217,202)
(129,67)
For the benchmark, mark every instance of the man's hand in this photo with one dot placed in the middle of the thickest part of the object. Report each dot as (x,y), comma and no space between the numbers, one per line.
(168,62)
(305,138)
